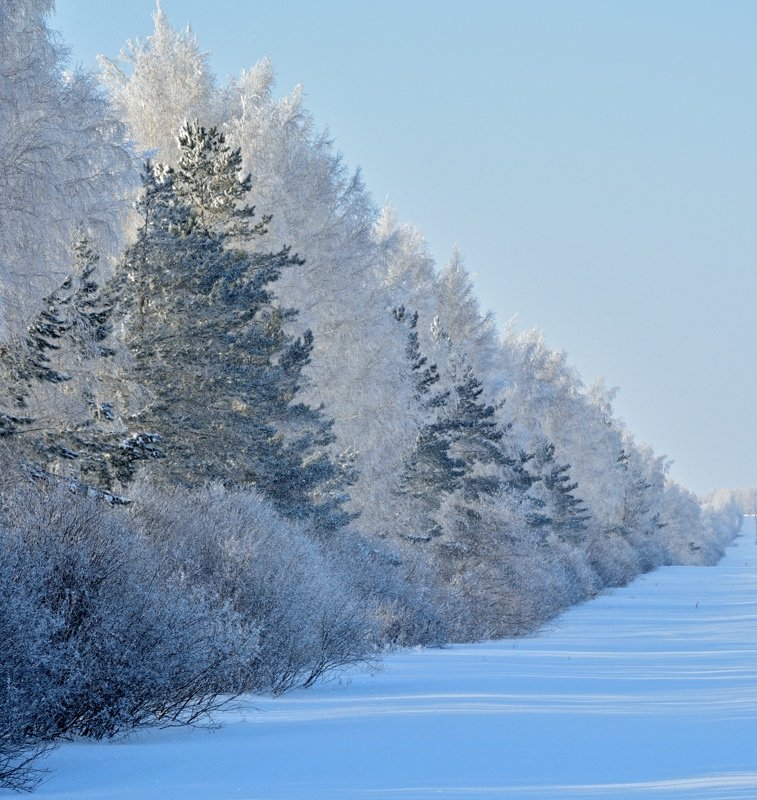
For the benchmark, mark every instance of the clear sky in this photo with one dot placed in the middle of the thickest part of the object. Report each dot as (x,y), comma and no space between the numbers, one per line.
(596,162)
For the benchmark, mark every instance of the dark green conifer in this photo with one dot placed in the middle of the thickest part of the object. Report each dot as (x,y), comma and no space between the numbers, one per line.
(209,346)
(563,510)
(57,416)
(430,469)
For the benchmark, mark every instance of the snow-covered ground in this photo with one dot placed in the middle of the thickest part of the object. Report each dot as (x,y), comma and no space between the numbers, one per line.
(646,692)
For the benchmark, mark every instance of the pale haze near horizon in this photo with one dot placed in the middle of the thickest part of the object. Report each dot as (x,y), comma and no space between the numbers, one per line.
(596,162)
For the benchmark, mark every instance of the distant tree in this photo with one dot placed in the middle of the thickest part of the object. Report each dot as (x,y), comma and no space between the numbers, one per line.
(745,499)
(459,315)
(424,375)
(406,265)
(495,470)
(460,456)
(561,508)
(430,470)
(477,437)
(642,491)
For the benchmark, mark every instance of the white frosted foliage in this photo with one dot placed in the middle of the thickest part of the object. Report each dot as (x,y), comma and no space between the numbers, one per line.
(157,83)
(63,164)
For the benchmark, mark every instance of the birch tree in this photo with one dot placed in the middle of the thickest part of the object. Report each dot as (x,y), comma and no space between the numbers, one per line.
(63,162)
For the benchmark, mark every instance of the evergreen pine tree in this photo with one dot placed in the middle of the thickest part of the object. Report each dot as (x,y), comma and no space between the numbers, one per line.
(28,364)
(425,375)
(460,456)
(45,336)
(208,342)
(57,415)
(430,470)
(639,513)
(563,510)
(92,309)
(208,177)
(479,439)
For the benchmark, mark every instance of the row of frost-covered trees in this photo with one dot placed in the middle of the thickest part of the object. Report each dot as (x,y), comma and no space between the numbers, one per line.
(249,432)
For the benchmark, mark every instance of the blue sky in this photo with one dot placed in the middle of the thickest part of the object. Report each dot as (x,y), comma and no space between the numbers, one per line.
(595,161)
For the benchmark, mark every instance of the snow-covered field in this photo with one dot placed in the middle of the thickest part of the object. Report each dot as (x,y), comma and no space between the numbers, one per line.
(649,691)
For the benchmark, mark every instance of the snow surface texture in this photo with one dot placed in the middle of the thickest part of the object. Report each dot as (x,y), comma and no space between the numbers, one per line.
(649,691)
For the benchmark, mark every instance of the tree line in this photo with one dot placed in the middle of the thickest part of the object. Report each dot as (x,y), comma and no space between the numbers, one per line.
(250,433)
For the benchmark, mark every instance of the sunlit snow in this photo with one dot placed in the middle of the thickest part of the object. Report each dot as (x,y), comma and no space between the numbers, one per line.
(648,691)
